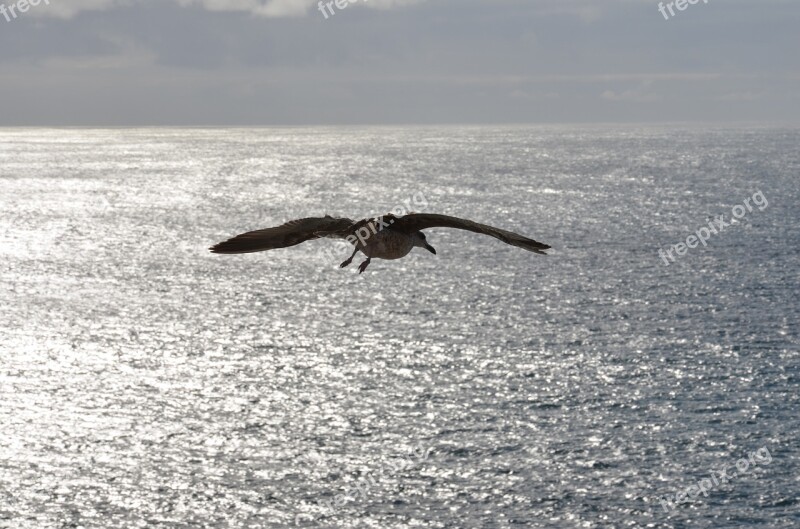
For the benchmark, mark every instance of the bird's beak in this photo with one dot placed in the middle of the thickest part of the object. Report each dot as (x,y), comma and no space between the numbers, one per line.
(430,248)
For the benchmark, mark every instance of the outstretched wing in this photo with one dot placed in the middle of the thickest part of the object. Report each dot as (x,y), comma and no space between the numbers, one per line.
(420,221)
(289,234)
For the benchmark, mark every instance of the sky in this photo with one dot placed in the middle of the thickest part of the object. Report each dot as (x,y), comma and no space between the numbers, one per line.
(282,62)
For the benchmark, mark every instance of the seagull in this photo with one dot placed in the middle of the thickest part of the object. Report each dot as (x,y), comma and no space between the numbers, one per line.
(385,237)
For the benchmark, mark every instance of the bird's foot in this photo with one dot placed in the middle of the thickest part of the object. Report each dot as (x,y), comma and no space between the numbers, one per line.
(346,263)
(363,266)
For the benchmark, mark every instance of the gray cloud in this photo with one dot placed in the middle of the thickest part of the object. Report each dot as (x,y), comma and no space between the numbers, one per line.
(194,62)
(266,8)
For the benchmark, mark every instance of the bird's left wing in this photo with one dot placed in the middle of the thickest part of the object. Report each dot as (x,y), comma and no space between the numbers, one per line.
(290,234)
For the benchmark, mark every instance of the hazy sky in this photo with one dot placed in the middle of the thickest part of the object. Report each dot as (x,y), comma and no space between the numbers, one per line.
(265,62)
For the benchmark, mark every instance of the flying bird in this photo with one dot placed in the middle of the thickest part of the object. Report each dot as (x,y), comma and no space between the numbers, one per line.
(386,237)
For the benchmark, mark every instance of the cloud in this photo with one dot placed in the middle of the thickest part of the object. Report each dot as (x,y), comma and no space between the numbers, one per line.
(742,96)
(262,62)
(268,8)
(641,94)
(263,8)
(629,95)
(73,7)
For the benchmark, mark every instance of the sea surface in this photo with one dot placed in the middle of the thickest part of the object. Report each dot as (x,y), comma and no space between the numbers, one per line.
(145,382)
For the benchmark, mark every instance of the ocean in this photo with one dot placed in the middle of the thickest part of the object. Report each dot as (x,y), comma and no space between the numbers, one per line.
(632,378)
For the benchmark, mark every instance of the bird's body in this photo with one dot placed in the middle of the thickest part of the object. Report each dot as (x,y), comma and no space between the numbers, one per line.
(389,237)
(387,244)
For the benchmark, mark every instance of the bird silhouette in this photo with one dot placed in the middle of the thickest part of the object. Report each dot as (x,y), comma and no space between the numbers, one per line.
(385,237)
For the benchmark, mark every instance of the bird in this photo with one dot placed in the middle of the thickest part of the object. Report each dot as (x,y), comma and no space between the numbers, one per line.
(385,237)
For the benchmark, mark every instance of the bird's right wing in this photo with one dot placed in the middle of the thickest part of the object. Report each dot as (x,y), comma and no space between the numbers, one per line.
(290,234)
(419,221)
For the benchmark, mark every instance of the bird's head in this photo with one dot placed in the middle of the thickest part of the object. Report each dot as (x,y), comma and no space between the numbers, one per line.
(421,242)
